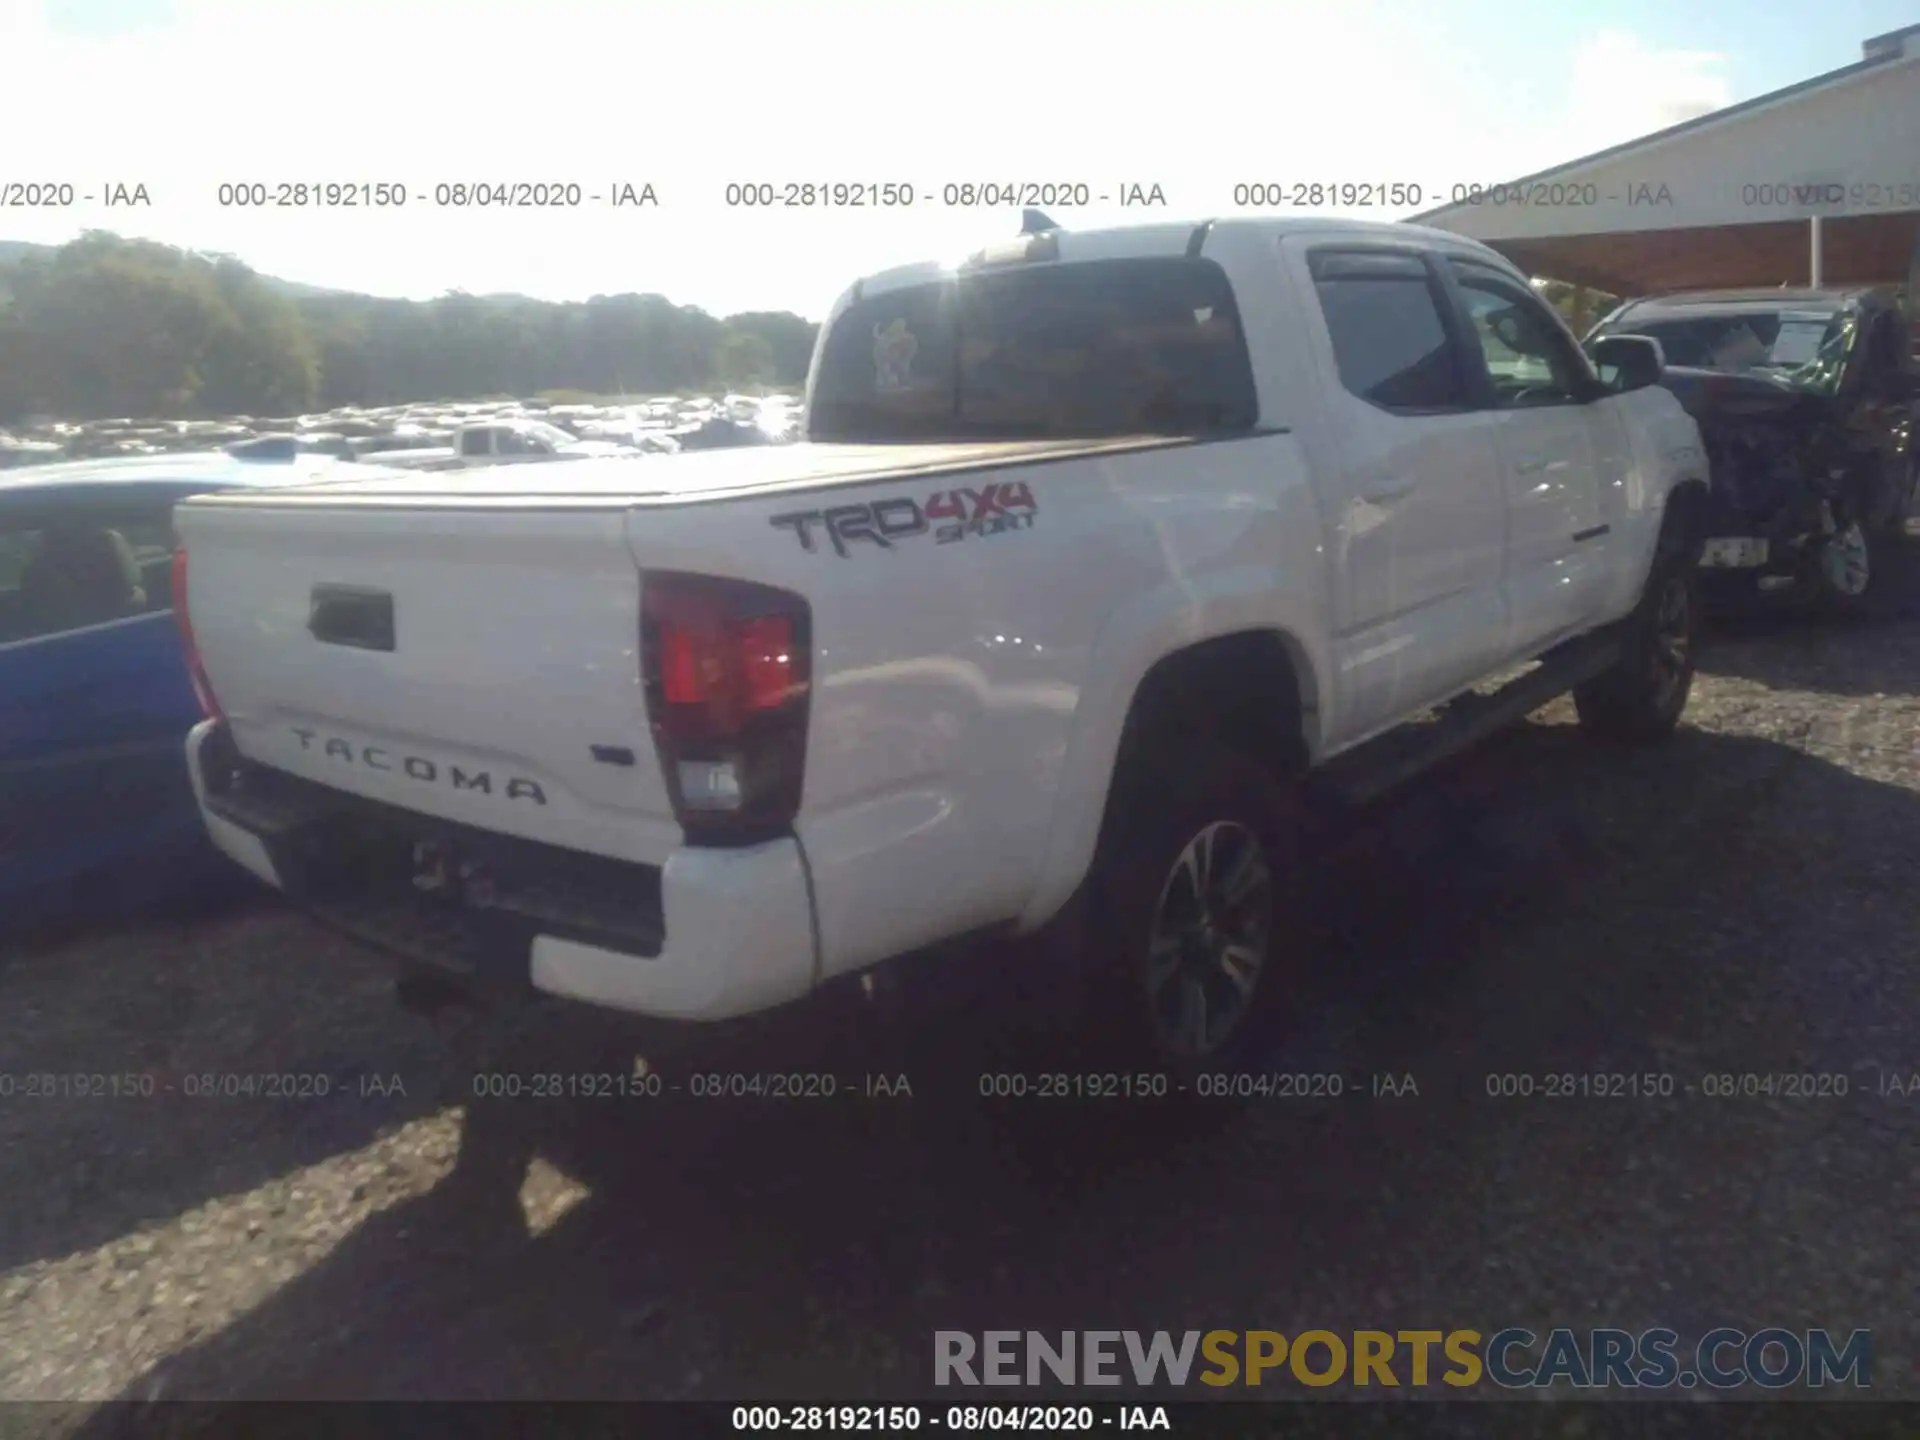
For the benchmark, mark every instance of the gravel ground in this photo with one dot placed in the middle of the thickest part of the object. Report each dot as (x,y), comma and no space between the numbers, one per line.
(1733,902)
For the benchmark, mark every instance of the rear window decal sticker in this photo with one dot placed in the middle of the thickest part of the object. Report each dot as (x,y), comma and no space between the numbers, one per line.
(893,352)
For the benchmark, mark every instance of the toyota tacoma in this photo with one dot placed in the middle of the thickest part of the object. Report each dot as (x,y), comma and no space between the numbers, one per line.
(1106,558)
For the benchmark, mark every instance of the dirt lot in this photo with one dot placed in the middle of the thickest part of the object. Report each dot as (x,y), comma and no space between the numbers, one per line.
(1737,902)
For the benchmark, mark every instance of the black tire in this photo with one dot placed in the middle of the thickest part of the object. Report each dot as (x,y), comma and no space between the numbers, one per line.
(1642,697)
(1907,475)
(1167,812)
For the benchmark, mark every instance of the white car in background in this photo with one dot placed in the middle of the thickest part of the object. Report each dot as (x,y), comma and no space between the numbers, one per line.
(505,442)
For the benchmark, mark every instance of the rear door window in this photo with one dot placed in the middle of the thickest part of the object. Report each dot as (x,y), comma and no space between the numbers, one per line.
(64,572)
(1383,315)
(1080,350)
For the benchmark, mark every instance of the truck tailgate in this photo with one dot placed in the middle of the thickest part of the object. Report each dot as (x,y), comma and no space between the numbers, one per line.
(507,697)
(512,697)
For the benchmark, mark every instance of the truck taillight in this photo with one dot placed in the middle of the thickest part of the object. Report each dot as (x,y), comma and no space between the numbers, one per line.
(728,669)
(202,687)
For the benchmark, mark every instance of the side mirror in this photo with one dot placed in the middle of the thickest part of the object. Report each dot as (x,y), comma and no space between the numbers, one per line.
(1628,362)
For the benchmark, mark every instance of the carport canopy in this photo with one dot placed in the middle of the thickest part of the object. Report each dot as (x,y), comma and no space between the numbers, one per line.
(1817,184)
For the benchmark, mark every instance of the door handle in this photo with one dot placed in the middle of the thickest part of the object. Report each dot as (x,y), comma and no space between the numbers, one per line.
(1397,488)
(351,615)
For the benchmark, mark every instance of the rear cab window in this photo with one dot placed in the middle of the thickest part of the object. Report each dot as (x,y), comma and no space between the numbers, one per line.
(1078,350)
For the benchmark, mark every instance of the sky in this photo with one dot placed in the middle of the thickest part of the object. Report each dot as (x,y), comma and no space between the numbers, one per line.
(183,96)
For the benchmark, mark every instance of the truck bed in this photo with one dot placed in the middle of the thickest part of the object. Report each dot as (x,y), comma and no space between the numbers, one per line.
(470,650)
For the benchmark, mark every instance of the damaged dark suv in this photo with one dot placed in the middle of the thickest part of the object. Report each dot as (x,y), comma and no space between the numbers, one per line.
(1807,403)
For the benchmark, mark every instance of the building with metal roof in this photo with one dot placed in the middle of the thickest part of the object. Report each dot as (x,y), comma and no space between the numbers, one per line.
(1814,185)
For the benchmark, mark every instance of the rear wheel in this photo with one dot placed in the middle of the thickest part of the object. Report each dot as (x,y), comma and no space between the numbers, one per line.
(1196,935)
(1644,694)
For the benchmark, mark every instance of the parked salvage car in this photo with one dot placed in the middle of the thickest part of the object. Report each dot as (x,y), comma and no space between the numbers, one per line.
(1806,402)
(723,432)
(289,447)
(95,699)
(511,440)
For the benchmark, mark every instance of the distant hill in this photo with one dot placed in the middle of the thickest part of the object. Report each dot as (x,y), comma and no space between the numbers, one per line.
(12,252)
(113,326)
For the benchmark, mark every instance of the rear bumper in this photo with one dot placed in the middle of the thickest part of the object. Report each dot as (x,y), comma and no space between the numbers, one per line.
(710,935)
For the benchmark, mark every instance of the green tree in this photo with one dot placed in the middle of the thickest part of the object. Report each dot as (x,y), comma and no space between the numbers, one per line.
(108,326)
(744,360)
(262,358)
(1579,307)
(788,338)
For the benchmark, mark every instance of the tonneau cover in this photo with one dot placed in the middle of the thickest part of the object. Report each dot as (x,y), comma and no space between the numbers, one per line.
(670,479)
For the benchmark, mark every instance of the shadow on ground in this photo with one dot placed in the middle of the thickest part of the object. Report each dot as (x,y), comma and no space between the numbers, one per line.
(1428,886)
(140,1047)
(1783,644)
(1545,906)
(196,885)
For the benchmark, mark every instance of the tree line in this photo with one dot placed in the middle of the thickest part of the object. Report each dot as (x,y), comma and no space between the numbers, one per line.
(1581,308)
(105,326)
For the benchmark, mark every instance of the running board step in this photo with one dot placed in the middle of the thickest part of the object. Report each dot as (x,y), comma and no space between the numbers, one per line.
(1371,770)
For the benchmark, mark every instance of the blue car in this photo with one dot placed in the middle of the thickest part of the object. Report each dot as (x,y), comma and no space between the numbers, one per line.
(95,701)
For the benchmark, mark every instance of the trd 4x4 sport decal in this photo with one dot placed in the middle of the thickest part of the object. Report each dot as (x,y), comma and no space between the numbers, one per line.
(949,515)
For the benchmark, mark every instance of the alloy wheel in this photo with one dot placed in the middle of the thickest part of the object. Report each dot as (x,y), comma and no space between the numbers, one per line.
(1212,927)
(1845,564)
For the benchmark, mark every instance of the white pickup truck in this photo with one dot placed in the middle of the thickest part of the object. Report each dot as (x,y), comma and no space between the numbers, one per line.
(518,441)
(1107,555)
